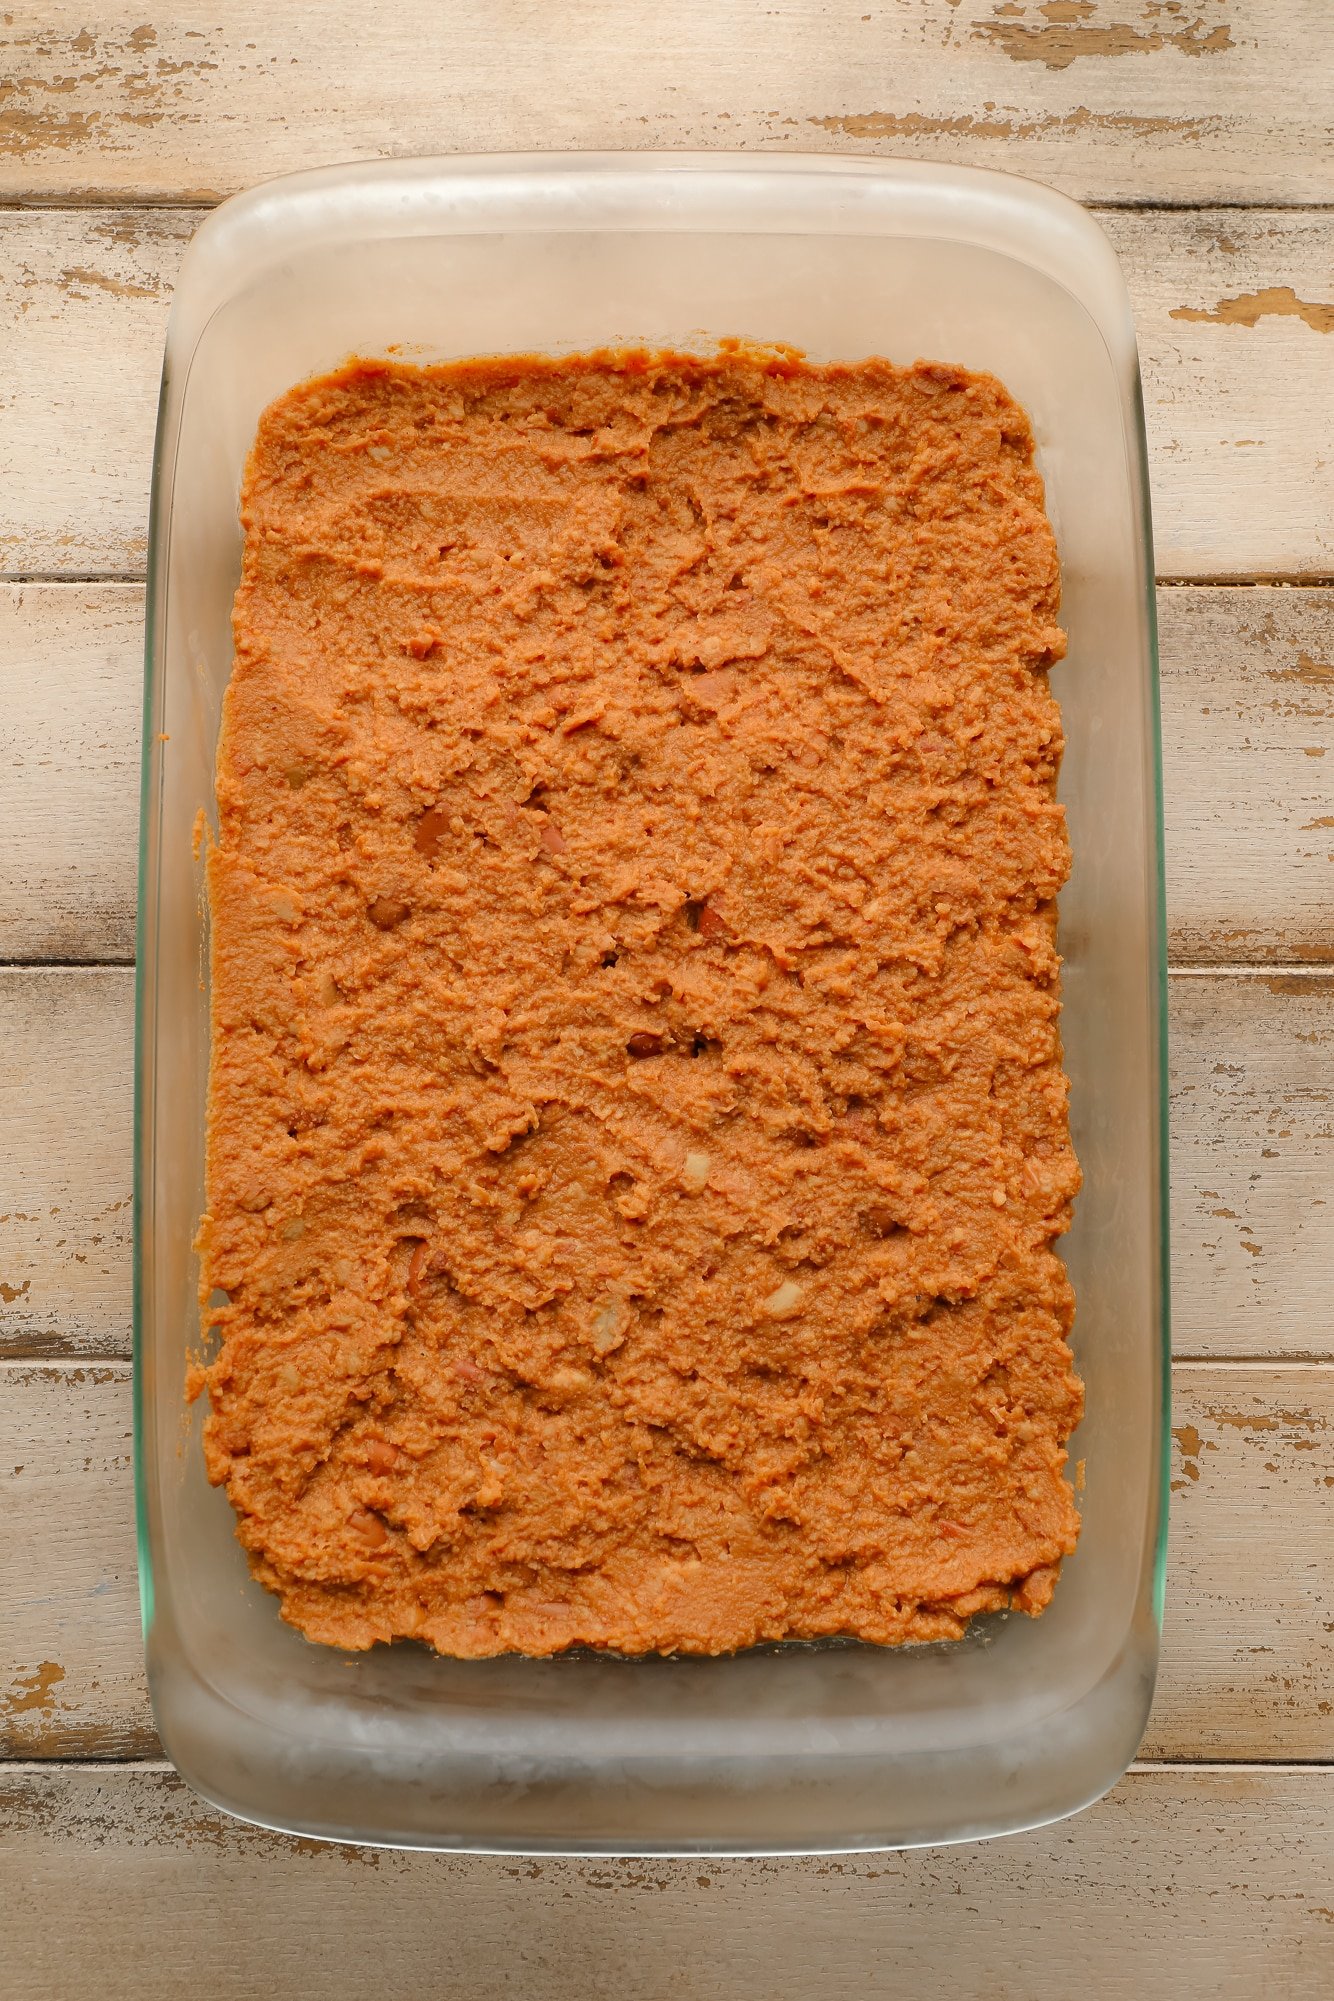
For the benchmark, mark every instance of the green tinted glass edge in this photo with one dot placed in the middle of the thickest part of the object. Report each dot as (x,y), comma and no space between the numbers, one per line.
(1158,999)
(150,801)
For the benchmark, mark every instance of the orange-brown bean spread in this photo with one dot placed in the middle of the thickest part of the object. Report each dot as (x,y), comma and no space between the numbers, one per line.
(637,1128)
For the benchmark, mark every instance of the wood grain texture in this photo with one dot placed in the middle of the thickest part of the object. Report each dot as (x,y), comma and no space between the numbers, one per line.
(70,688)
(1120,100)
(1252,1163)
(1248,1639)
(1248,748)
(1248,1652)
(66,1168)
(1205,1886)
(1203,287)
(83,314)
(1236,390)
(1252,1139)
(115,1881)
(71,1670)
(1248,772)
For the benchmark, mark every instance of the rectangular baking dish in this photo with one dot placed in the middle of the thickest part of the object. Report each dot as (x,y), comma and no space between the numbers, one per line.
(784,1749)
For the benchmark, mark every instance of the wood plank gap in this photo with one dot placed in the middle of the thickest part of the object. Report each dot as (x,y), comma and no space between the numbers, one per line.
(1318,970)
(1165,205)
(1205,580)
(1297,969)
(1298,1359)
(138,577)
(50,1350)
(1232,1767)
(1191,969)
(63,965)
(1224,1767)
(1295,580)
(1249,580)
(52,1768)
(76,201)
(16,1359)
(118,1366)
(1299,580)
(1270,1363)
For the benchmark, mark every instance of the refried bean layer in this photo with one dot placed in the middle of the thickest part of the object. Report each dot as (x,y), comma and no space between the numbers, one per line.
(637,1127)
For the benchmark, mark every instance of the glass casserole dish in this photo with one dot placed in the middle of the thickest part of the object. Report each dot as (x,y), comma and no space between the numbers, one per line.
(782,1749)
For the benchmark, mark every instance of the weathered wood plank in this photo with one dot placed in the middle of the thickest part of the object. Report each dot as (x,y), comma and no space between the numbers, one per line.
(1248,772)
(73,1666)
(1248,738)
(70,680)
(66,1103)
(1194,1883)
(1234,309)
(1252,1144)
(1218,439)
(1248,1646)
(1205,1885)
(1248,1655)
(83,314)
(1129,101)
(1252,1163)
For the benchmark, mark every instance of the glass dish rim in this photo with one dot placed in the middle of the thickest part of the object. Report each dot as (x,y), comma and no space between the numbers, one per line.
(427,178)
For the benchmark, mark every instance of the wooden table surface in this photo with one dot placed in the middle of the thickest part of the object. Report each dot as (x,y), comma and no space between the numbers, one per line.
(1200,131)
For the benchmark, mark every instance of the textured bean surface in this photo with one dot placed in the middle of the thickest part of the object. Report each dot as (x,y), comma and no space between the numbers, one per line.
(638,1126)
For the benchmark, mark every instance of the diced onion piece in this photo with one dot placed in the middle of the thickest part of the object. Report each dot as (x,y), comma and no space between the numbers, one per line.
(784,1300)
(609,1328)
